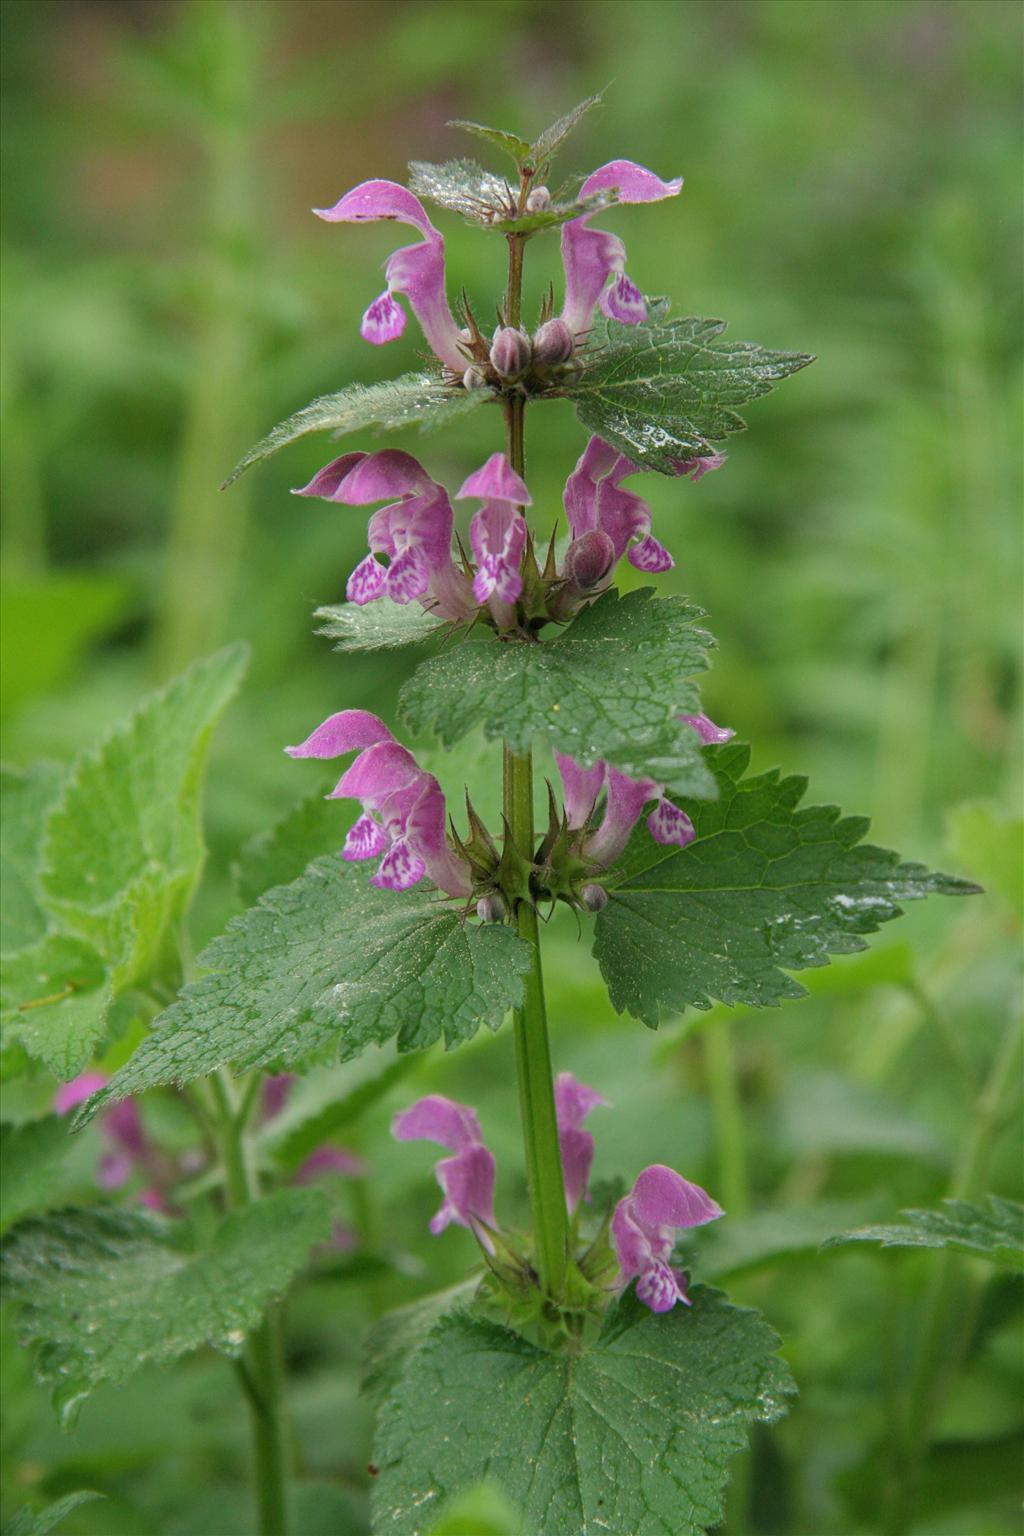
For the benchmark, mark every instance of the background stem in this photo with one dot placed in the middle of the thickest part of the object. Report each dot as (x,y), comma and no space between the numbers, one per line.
(262,1368)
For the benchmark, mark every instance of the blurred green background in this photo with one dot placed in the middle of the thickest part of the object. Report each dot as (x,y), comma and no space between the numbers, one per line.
(853,190)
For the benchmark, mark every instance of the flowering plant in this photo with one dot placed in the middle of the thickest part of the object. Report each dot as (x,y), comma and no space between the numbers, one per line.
(578,1367)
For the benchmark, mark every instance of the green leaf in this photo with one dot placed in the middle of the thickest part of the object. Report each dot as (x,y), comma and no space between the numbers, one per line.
(29,1523)
(510,143)
(380,626)
(631,1433)
(558,213)
(30,1155)
(668,391)
(609,686)
(123,848)
(100,1293)
(461,186)
(330,964)
(54,998)
(991,1230)
(279,854)
(27,798)
(766,888)
(552,139)
(395,1338)
(389,405)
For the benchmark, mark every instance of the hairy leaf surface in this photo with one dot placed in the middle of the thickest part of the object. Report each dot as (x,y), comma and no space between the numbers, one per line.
(27,798)
(632,1433)
(767,888)
(101,1292)
(990,1229)
(378,626)
(330,964)
(609,686)
(54,998)
(668,391)
(422,398)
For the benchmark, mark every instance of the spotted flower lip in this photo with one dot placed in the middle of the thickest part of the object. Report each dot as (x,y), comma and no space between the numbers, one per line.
(660,1203)
(414,532)
(595,501)
(466,1178)
(573,1103)
(497,535)
(417,271)
(403,820)
(592,256)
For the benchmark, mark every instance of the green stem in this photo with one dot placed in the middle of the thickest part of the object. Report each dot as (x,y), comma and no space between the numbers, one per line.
(533,1060)
(727,1117)
(533,1052)
(261,1370)
(935,1360)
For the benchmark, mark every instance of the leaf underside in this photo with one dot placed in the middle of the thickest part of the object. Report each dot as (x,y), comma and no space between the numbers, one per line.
(415,398)
(100,1293)
(665,391)
(329,965)
(633,1433)
(991,1230)
(768,887)
(609,686)
(378,626)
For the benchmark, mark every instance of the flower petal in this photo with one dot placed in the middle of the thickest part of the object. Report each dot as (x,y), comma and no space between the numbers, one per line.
(400,868)
(366,840)
(651,556)
(582,787)
(710,733)
(70,1095)
(366,582)
(347,731)
(384,321)
(623,301)
(663,1198)
(668,824)
(633,183)
(327,481)
(436,1118)
(373,200)
(496,480)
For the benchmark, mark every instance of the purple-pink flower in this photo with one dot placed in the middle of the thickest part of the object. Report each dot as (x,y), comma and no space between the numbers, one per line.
(573,1103)
(467,1177)
(597,506)
(121,1129)
(497,534)
(414,532)
(660,1203)
(625,801)
(592,256)
(417,271)
(403,806)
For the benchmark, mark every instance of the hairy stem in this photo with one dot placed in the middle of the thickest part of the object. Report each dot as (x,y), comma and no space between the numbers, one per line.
(261,1369)
(533,1052)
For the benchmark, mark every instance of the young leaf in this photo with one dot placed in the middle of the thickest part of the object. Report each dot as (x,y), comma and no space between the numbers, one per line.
(279,854)
(993,1230)
(123,847)
(552,139)
(330,964)
(609,686)
(766,888)
(668,391)
(389,405)
(28,1522)
(27,798)
(54,998)
(462,187)
(30,1156)
(631,1433)
(101,1292)
(558,213)
(380,626)
(510,143)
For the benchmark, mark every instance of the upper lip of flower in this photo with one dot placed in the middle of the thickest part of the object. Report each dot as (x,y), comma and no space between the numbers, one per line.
(417,271)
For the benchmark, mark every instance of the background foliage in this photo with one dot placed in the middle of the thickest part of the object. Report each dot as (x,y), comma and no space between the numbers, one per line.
(852,190)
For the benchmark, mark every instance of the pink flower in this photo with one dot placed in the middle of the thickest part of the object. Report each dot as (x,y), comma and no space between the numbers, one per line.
(596,504)
(497,534)
(120,1127)
(573,1103)
(414,532)
(467,1178)
(403,807)
(417,271)
(660,1203)
(591,256)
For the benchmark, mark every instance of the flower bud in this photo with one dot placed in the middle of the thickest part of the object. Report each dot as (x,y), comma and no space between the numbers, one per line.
(510,352)
(594,897)
(553,343)
(589,559)
(491,908)
(473,379)
(538,201)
